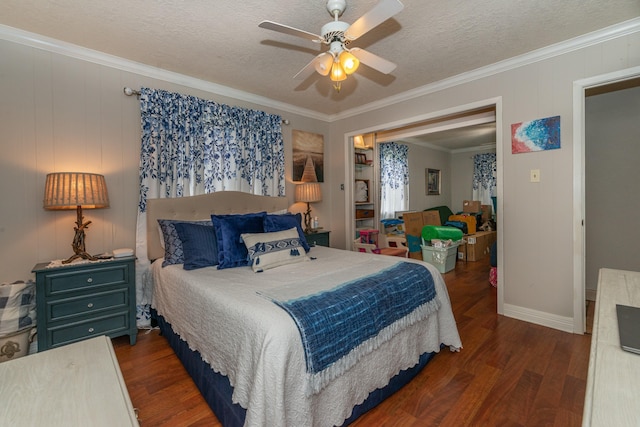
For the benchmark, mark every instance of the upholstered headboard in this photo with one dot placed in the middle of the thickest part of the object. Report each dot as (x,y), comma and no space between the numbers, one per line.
(201,207)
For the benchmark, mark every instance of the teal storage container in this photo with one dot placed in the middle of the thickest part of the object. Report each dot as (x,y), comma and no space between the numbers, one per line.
(441,232)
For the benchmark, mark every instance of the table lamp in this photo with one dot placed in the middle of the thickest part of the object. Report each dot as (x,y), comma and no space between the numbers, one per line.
(76,190)
(308,192)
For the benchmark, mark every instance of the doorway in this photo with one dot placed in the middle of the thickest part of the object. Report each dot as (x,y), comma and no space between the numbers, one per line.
(588,217)
(415,126)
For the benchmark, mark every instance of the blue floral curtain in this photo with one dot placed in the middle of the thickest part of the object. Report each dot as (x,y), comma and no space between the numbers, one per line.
(194,146)
(394,178)
(484,177)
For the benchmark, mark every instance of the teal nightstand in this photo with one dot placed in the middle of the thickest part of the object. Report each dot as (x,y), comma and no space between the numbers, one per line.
(318,238)
(80,301)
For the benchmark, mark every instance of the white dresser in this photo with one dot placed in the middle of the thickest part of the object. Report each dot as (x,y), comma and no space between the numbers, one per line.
(613,386)
(78,384)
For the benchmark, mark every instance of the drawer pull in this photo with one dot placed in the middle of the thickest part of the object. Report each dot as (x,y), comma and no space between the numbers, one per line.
(89,280)
(91,330)
(90,305)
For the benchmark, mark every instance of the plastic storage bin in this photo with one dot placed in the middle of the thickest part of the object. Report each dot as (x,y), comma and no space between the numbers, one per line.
(444,259)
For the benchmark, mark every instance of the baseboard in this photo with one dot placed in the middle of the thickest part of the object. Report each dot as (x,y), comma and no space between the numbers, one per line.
(539,317)
(590,294)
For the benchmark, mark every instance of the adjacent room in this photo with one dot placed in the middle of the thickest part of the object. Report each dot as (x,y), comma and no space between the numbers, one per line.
(337,212)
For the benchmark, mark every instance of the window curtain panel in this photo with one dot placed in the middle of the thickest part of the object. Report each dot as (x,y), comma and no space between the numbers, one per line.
(394,178)
(194,146)
(484,177)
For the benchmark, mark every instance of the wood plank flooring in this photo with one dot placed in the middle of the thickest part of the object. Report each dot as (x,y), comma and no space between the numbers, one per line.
(509,373)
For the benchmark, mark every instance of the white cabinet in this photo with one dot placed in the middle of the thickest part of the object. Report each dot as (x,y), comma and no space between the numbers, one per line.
(613,383)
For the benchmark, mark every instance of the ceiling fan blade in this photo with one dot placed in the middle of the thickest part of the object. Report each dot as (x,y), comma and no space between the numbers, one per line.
(281,28)
(373,61)
(321,64)
(376,16)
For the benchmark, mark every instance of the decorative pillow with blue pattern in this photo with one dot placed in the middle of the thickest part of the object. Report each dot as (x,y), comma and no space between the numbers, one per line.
(173,251)
(269,250)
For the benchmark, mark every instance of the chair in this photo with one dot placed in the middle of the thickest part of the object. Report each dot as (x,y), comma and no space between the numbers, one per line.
(387,245)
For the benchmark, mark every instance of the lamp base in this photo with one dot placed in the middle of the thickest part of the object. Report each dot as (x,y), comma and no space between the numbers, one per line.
(307,220)
(78,240)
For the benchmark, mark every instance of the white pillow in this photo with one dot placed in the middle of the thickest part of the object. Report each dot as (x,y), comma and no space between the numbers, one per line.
(269,250)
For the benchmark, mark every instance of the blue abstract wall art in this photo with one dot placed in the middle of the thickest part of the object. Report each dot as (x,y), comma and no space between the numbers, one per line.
(535,135)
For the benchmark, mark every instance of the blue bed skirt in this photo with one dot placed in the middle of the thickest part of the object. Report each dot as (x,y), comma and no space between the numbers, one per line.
(217,390)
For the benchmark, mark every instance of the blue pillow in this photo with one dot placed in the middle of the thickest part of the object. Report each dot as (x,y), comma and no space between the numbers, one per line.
(273,223)
(232,251)
(173,253)
(198,245)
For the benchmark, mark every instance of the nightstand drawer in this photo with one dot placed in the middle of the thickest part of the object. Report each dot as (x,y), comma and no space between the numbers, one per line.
(76,331)
(318,238)
(64,281)
(88,304)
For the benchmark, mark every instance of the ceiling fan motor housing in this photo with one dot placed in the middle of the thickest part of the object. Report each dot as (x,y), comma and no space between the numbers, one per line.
(336,6)
(334,31)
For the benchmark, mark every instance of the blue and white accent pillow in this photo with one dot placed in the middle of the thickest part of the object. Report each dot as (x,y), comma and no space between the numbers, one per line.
(270,250)
(173,251)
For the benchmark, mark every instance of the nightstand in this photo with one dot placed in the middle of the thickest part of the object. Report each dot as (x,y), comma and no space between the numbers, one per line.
(318,238)
(80,301)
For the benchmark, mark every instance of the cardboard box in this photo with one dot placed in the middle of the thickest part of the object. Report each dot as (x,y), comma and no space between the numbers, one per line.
(478,246)
(486,212)
(462,250)
(413,223)
(471,206)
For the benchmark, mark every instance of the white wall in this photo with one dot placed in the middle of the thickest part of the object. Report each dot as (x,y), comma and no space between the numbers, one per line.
(58,113)
(537,218)
(612,177)
(421,158)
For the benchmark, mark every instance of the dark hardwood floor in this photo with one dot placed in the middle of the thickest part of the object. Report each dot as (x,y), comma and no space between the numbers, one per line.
(509,373)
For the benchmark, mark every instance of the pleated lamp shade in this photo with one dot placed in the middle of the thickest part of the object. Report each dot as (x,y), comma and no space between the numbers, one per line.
(308,192)
(68,190)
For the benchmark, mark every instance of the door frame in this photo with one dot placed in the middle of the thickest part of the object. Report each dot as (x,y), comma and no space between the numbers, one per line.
(579,243)
(495,102)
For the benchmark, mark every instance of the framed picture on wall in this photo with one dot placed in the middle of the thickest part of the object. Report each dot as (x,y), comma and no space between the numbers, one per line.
(432,179)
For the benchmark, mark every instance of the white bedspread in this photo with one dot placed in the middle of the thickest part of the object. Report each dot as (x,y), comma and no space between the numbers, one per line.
(257,345)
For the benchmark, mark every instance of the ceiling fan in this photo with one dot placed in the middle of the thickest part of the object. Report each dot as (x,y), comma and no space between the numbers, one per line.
(339,61)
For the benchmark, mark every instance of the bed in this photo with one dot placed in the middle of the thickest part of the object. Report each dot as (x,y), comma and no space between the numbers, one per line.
(252,355)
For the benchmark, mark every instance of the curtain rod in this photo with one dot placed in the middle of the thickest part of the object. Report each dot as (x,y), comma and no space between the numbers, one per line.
(130,92)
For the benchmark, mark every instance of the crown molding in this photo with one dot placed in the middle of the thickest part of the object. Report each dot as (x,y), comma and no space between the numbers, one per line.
(599,36)
(56,46)
(38,41)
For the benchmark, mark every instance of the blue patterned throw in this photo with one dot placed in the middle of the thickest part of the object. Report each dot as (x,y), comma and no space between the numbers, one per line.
(339,326)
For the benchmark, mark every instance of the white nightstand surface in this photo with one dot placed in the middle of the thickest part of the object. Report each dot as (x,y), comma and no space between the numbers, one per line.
(74,385)
(613,383)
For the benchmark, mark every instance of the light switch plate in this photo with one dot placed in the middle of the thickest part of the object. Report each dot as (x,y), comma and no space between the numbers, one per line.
(535,175)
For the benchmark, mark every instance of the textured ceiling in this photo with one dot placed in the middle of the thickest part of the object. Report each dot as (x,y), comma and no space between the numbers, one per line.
(219,41)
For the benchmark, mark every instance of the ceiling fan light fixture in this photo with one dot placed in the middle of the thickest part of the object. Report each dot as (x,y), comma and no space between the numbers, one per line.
(349,62)
(337,72)
(323,64)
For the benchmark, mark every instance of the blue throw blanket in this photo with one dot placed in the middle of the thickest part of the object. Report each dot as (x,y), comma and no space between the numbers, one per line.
(341,325)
